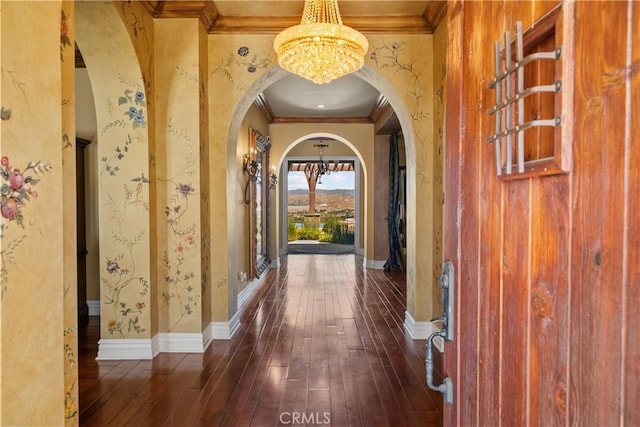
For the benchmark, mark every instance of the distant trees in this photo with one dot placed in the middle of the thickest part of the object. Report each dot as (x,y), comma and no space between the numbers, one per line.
(326,228)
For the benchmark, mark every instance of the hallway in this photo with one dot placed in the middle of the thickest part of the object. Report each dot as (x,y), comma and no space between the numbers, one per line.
(322,342)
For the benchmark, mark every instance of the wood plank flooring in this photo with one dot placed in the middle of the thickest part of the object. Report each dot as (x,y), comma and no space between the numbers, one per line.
(321,343)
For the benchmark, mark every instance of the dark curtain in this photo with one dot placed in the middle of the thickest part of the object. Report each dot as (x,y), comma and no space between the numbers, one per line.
(395,261)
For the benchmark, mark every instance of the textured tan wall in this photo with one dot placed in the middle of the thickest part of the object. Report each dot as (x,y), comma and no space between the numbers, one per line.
(235,62)
(177,165)
(123,181)
(439,75)
(406,62)
(32,355)
(205,183)
(139,25)
(335,148)
(67,57)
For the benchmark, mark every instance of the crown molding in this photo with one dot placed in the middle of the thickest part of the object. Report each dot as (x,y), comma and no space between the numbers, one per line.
(203,10)
(348,120)
(434,14)
(364,24)
(264,107)
(215,23)
(378,108)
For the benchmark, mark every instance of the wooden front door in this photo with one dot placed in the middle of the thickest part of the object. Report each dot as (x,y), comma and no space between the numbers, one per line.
(547,261)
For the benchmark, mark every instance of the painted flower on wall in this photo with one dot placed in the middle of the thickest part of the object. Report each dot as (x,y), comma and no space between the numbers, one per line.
(17,188)
(112,267)
(125,317)
(185,189)
(64,35)
(70,393)
(180,277)
(242,59)
(388,56)
(134,104)
(70,406)
(135,101)
(15,192)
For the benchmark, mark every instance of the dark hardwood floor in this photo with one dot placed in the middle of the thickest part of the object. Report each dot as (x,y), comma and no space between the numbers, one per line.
(321,343)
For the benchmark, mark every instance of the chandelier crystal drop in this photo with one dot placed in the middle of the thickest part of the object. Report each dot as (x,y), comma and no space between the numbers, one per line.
(321,48)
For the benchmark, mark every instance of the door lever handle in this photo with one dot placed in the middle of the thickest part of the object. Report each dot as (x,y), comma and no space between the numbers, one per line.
(447,282)
(446,388)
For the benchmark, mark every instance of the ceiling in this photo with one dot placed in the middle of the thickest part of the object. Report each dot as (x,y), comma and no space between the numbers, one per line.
(294,99)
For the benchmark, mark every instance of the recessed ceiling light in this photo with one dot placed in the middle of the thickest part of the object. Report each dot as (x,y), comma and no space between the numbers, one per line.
(320,106)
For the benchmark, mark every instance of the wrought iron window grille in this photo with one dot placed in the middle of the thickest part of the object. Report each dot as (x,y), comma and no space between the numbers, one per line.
(510,95)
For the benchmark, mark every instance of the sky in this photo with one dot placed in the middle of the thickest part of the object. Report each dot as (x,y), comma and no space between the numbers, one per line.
(334,181)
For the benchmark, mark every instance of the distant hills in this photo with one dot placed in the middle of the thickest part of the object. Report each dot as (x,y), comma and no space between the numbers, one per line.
(326,200)
(337,192)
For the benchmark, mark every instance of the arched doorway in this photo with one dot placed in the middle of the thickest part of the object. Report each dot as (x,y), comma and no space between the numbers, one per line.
(321,212)
(423,287)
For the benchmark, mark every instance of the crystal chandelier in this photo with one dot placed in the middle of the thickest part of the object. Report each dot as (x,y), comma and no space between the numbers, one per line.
(321,48)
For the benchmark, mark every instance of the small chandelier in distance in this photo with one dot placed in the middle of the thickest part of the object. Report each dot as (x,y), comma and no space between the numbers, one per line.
(322,166)
(321,48)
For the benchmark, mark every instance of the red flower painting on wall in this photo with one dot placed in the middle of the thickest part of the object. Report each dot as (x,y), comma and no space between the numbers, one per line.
(17,187)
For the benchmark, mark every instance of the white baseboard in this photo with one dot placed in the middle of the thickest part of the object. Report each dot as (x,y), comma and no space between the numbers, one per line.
(376,265)
(222,330)
(225,330)
(94,307)
(171,342)
(174,342)
(125,349)
(422,330)
(245,294)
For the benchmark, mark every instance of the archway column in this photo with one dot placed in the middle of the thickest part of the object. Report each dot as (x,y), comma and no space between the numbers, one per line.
(405,75)
(122,114)
(32,280)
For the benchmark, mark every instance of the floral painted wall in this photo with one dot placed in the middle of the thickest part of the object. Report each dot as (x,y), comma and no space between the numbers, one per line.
(235,62)
(31,203)
(205,200)
(125,201)
(139,24)
(177,163)
(406,61)
(123,177)
(68,146)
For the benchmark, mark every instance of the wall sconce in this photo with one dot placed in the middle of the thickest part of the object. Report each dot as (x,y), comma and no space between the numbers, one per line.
(273,178)
(251,168)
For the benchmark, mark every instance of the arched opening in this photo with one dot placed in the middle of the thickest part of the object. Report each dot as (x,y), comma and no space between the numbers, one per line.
(348,155)
(376,80)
